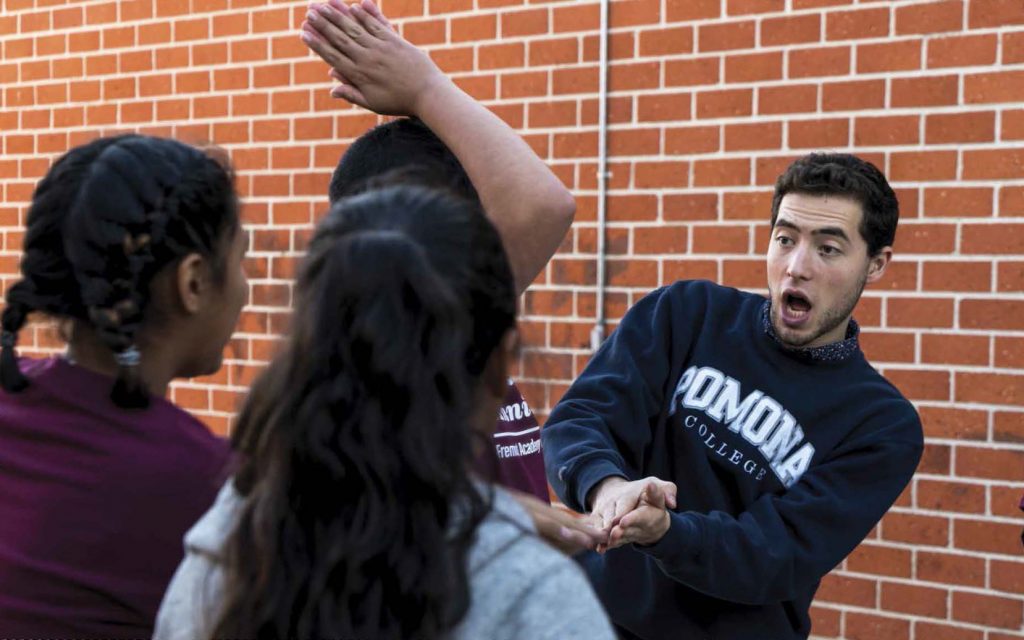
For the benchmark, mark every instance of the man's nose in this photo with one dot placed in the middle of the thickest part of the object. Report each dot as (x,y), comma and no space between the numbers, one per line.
(799,266)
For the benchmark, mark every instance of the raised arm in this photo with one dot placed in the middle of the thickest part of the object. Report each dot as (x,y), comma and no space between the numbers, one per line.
(381,71)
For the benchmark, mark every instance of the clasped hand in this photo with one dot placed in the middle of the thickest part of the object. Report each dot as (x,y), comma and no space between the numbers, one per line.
(632,512)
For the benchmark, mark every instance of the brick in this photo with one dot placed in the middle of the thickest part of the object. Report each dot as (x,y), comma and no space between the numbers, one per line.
(914,599)
(923,165)
(621,46)
(862,23)
(960,497)
(791,30)
(641,75)
(699,71)
(992,239)
(622,208)
(819,61)
(1012,126)
(846,590)
(958,202)
(819,134)
(726,36)
(579,80)
(436,7)
(994,13)
(825,622)
(920,384)
(664,239)
(664,106)
(1011,201)
(685,10)
(933,17)
(630,13)
(990,610)
(474,28)
(585,17)
(1013,47)
(880,560)
(726,103)
(747,206)
(1009,352)
(924,92)
(721,239)
(887,347)
(744,273)
(1005,86)
(942,631)
(667,41)
(957,276)
(741,7)
(978,462)
(739,137)
(500,56)
(960,127)
(690,206)
(866,626)
(886,131)
(696,139)
(902,55)
(787,99)
(984,535)
(962,51)
(636,142)
(724,172)
(754,67)
(950,568)
(920,312)
(648,175)
(916,529)
(1008,576)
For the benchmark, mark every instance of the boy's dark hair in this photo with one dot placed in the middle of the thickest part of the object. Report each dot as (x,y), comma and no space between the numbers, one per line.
(355,442)
(106,218)
(404,147)
(843,174)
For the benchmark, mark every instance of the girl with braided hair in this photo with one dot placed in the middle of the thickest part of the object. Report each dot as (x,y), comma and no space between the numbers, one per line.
(354,513)
(134,245)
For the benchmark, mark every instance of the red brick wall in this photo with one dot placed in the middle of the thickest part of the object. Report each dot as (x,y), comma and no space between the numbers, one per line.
(710,100)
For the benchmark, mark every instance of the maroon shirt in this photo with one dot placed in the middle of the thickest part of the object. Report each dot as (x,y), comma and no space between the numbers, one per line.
(94,502)
(514,459)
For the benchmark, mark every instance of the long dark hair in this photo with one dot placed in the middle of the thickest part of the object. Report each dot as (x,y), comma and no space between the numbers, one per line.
(106,218)
(359,508)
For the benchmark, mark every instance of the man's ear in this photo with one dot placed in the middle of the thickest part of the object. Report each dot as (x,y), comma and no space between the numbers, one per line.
(192,279)
(494,378)
(877,264)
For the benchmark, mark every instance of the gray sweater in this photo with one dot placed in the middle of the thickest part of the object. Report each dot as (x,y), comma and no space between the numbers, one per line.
(520,587)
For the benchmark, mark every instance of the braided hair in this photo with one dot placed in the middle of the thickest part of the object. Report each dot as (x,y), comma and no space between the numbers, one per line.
(107,217)
(359,509)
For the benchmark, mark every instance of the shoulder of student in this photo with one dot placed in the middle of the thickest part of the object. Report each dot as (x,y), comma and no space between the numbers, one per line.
(522,587)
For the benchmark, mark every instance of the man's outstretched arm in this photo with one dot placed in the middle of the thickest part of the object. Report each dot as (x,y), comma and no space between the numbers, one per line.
(381,71)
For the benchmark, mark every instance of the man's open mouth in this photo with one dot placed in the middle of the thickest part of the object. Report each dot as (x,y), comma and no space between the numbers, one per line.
(795,307)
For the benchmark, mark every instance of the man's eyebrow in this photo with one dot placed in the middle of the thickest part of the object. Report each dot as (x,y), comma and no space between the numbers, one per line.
(824,231)
(831,231)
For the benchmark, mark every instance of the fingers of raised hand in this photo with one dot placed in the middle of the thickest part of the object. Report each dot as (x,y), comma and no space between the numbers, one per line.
(314,39)
(372,8)
(370,22)
(336,26)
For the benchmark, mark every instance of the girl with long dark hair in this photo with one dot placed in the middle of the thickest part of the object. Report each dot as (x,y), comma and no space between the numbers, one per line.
(133,244)
(354,513)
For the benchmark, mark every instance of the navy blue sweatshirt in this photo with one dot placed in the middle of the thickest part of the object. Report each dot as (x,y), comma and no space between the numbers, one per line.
(784,460)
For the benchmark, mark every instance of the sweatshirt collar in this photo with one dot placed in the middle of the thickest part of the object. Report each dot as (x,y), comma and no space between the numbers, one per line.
(834,352)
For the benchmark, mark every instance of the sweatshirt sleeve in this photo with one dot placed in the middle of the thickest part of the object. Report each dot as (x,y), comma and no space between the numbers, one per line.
(784,543)
(603,423)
